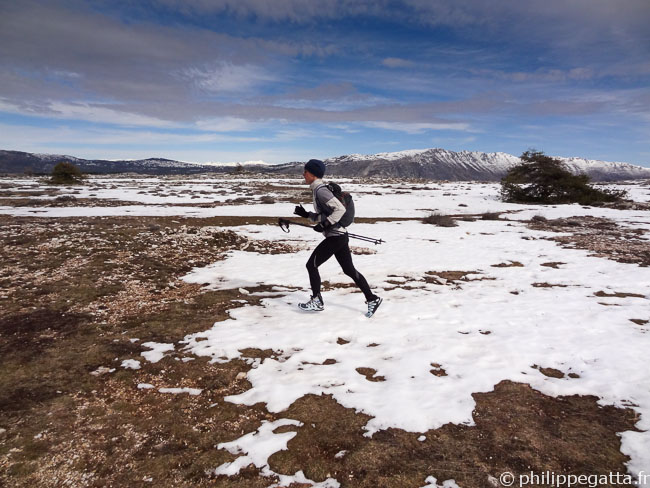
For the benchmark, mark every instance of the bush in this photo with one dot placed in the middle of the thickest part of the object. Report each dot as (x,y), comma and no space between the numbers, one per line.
(543,179)
(65,173)
(490,216)
(440,220)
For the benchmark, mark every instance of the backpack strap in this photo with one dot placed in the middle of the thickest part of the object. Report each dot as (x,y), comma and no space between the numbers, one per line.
(322,208)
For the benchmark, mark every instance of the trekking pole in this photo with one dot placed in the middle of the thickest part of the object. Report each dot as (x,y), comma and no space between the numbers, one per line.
(284,225)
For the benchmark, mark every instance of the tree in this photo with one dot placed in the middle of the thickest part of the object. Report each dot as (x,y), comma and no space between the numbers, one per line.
(542,179)
(65,173)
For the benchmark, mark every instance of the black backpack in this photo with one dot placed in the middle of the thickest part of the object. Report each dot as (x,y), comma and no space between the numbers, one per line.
(346,199)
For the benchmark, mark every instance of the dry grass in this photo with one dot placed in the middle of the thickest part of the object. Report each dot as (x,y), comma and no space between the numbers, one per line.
(509,264)
(76,293)
(491,216)
(440,220)
(603,237)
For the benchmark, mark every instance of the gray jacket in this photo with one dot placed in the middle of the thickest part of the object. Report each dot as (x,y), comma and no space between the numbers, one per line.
(326,207)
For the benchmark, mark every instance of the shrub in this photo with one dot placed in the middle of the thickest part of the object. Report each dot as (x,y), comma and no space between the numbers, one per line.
(65,173)
(267,199)
(543,179)
(490,216)
(440,220)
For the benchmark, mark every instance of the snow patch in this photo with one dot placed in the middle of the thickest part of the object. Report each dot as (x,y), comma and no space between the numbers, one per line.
(256,448)
(178,391)
(131,364)
(157,352)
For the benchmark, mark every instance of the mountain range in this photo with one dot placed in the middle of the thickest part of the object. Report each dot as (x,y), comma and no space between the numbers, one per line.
(435,164)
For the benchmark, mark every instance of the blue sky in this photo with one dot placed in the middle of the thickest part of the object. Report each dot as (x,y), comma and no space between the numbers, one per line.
(289,80)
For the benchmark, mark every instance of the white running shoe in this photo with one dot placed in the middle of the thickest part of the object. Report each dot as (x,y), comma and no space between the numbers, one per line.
(373,305)
(315,304)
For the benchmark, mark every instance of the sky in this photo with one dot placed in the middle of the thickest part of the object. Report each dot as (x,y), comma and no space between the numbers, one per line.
(290,80)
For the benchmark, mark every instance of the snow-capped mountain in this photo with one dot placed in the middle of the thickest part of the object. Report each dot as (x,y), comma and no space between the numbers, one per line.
(442,164)
(435,164)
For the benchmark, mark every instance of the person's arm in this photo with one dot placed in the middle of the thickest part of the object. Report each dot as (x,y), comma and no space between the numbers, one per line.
(327,200)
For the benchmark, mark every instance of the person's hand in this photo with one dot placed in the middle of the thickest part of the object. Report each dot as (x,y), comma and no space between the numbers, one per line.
(322,227)
(299,210)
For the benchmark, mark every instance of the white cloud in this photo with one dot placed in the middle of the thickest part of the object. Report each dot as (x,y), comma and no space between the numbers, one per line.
(104,114)
(228,77)
(416,127)
(90,112)
(44,138)
(397,63)
(225,124)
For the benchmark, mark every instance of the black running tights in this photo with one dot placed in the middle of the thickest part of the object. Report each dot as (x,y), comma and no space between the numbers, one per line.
(336,246)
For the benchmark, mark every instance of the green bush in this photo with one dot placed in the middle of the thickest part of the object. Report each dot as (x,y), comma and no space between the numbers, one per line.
(65,173)
(543,179)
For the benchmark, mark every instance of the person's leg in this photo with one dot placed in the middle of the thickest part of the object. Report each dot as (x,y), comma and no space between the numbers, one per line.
(344,257)
(322,253)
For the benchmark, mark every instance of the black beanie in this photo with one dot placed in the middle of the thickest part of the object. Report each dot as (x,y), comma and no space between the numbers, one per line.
(315,167)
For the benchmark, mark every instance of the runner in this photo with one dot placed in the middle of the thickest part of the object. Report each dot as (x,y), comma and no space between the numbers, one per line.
(328,212)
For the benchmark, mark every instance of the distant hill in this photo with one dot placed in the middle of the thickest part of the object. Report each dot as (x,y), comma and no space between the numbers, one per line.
(442,164)
(434,164)
(20,162)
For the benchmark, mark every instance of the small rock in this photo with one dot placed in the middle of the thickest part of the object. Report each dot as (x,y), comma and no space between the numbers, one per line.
(102,370)
(241,376)
(3,433)
(493,481)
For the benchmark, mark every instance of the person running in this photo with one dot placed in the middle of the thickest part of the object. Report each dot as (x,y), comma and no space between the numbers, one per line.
(328,212)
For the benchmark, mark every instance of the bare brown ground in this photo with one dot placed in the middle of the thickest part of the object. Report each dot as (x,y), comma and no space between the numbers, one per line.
(603,237)
(77,293)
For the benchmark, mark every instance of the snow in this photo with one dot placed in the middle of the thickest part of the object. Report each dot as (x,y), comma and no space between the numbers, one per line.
(102,370)
(495,325)
(561,328)
(131,364)
(444,198)
(389,156)
(496,162)
(258,162)
(177,391)
(432,482)
(157,352)
(256,448)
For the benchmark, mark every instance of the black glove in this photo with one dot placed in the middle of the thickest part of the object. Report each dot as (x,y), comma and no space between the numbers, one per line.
(299,210)
(323,226)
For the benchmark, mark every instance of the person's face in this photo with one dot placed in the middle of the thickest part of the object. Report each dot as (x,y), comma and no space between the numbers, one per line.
(308,177)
